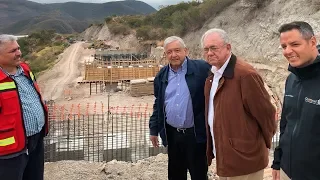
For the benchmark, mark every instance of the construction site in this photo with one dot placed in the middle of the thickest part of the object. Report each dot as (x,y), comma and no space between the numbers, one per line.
(132,71)
(99,107)
(101,130)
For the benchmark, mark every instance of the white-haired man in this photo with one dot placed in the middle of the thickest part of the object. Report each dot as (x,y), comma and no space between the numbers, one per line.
(23,116)
(239,114)
(178,114)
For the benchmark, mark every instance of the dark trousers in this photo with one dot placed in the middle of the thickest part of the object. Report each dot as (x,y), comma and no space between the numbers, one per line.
(186,154)
(23,166)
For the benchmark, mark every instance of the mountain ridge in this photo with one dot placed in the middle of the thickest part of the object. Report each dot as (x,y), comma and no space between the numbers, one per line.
(18,16)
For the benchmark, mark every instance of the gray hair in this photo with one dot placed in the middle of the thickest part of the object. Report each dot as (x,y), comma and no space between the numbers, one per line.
(171,39)
(220,32)
(6,38)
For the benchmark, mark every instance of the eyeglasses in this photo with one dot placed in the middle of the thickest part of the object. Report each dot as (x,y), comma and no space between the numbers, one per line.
(213,49)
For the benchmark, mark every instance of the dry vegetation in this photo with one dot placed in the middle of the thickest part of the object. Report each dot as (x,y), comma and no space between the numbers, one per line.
(171,20)
(41,49)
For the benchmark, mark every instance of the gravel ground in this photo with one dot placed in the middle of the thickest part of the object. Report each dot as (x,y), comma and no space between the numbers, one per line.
(152,168)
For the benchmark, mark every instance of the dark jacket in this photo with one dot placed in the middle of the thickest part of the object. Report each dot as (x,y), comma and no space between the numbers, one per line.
(244,121)
(298,153)
(197,72)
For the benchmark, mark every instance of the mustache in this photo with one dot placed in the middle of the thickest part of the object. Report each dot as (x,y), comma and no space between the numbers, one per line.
(17,57)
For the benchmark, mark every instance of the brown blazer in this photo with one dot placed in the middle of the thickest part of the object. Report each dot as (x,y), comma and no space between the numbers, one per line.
(244,120)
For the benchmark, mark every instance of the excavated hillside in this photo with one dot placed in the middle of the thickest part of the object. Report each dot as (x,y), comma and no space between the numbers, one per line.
(254,34)
(99,32)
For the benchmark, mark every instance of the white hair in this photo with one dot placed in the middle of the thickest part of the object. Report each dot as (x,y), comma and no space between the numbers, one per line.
(171,39)
(4,38)
(220,32)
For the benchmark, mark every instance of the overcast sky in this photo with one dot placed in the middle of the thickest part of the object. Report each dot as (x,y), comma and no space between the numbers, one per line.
(154,3)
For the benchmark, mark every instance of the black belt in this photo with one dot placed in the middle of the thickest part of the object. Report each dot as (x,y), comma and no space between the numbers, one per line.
(181,130)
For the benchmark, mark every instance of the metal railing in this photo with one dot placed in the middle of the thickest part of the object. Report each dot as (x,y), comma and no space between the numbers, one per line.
(123,136)
(100,137)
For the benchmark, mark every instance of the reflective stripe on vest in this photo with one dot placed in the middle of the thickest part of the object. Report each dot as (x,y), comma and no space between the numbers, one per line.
(7,85)
(7,141)
(31,76)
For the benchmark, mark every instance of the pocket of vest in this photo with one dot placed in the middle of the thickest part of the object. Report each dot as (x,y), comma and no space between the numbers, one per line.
(8,101)
(7,140)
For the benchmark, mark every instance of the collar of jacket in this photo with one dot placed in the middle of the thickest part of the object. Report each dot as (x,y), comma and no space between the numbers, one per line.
(308,71)
(229,71)
(190,70)
(3,75)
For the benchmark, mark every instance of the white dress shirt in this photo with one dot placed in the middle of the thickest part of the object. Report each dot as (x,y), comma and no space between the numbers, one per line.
(217,75)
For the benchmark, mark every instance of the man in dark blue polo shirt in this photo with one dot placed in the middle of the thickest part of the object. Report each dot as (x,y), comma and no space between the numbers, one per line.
(179,112)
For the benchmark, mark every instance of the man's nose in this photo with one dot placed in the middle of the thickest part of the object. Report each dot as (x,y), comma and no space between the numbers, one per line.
(287,50)
(18,52)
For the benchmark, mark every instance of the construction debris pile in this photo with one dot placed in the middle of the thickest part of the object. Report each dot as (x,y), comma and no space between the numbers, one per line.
(141,87)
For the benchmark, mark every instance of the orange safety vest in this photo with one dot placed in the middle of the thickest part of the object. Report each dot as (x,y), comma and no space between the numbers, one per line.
(12,130)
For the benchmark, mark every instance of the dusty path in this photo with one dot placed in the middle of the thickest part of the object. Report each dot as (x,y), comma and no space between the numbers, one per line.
(63,74)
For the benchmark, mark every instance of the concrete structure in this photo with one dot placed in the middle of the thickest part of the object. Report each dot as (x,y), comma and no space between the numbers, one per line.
(128,55)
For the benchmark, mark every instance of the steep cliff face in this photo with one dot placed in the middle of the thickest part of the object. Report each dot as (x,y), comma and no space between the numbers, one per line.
(101,32)
(254,34)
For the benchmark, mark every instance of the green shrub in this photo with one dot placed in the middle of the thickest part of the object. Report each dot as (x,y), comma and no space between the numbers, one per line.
(170,20)
(41,49)
(134,22)
(119,29)
(143,31)
(108,19)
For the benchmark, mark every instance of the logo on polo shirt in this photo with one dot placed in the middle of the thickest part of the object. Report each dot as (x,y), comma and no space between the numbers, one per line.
(312,101)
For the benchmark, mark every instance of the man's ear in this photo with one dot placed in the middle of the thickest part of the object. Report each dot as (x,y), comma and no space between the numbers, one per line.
(229,47)
(187,51)
(313,41)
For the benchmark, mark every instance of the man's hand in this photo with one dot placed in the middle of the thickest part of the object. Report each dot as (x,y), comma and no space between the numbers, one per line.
(275,174)
(154,140)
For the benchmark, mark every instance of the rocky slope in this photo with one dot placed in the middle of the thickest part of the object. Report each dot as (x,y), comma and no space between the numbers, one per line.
(101,32)
(254,34)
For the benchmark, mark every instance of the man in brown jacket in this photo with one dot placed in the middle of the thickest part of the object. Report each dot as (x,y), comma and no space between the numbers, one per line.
(240,118)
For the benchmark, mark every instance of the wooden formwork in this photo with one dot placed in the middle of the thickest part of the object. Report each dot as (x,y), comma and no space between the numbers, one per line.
(125,62)
(115,74)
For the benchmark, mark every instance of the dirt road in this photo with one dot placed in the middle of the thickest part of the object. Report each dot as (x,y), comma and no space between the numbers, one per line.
(63,74)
